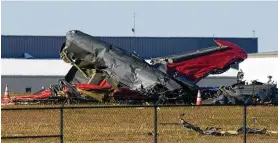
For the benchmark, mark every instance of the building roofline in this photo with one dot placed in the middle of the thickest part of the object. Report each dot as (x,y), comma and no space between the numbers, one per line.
(133,36)
(263,54)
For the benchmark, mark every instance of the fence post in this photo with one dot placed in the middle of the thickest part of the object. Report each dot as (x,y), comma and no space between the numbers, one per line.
(62,122)
(245,114)
(244,122)
(155,123)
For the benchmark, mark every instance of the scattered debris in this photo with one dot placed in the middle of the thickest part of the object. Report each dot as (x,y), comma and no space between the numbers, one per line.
(241,92)
(214,131)
(150,133)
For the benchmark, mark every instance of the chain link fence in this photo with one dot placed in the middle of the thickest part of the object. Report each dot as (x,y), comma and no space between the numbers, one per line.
(21,124)
(262,117)
(84,123)
(228,118)
(107,125)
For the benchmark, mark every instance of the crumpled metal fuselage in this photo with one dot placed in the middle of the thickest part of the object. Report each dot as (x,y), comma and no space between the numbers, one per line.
(120,66)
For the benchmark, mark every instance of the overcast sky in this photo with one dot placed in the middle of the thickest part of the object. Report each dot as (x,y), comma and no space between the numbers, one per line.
(170,19)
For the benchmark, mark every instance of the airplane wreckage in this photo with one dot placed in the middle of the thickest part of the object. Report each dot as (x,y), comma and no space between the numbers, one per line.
(243,93)
(103,72)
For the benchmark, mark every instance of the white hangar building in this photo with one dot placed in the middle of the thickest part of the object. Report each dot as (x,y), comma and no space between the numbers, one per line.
(259,66)
(23,75)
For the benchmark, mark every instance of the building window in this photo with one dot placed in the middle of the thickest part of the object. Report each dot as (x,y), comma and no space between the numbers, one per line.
(28,89)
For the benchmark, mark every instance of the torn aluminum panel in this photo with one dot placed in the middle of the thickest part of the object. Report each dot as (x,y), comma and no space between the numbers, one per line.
(120,67)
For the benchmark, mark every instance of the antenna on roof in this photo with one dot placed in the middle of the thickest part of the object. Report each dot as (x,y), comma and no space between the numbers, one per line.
(254,32)
(133,29)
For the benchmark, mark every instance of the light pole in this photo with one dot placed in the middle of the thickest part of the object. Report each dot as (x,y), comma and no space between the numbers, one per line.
(133,29)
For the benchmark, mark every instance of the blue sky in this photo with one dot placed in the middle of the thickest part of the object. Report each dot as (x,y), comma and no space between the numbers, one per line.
(165,19)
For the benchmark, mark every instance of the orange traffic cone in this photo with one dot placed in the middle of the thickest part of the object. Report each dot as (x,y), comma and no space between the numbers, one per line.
(6,100)
(199,98)
(6,95)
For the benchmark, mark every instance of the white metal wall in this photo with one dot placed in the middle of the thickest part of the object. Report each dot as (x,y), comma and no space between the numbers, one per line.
(18,84)
(260,68)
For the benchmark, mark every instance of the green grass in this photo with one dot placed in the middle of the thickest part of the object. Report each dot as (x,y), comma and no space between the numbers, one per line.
(133,124)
